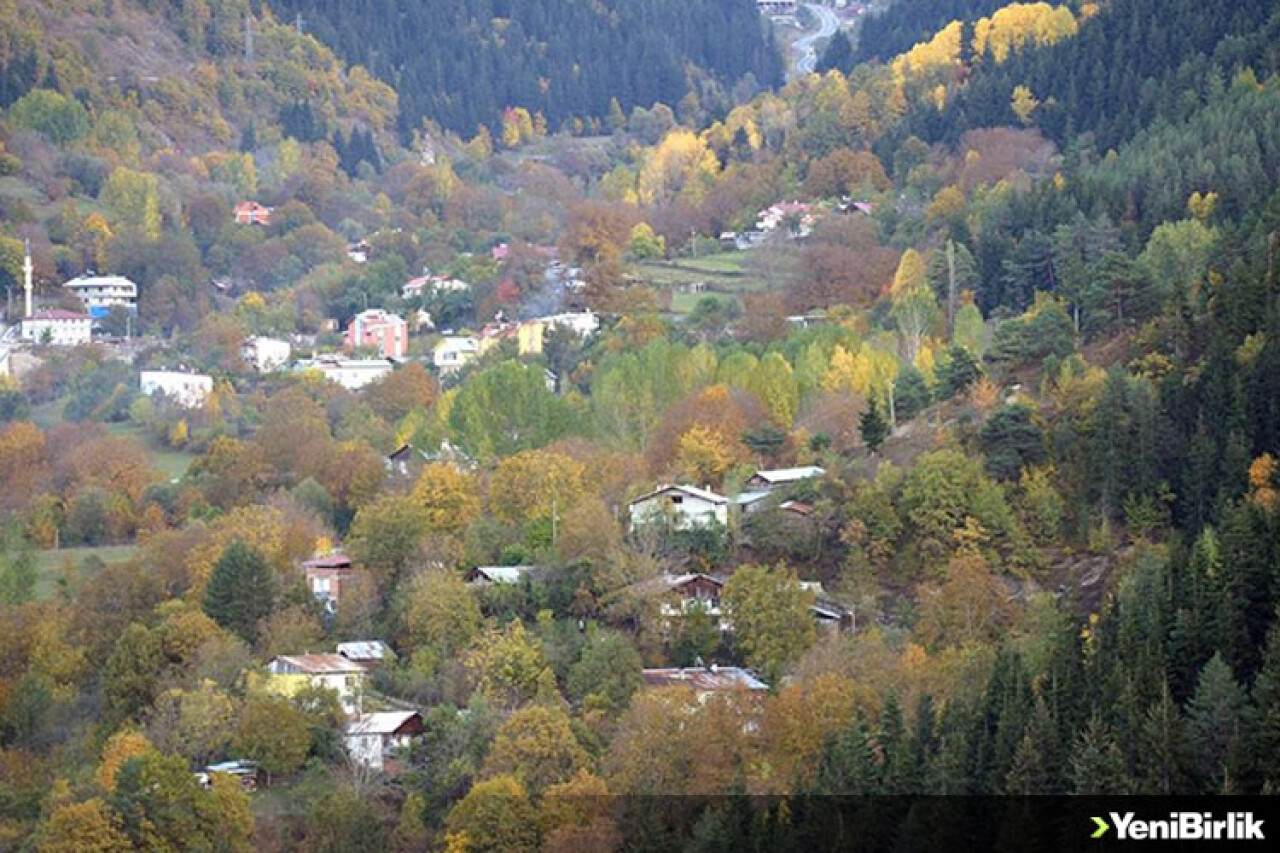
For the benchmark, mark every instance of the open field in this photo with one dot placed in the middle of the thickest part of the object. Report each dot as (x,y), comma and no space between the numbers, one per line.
(172,463)
(49,564)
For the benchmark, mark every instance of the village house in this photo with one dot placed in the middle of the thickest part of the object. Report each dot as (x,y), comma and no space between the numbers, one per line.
(101,293)
(367,654)
(187,390)
(325,577)
(288,674)
(385,333)
(681,594)
(684,507)
(529,335)
(252,213)
(377,741)
(453,352)
(266,354)
(358,252)
(351,373)
(429,285)
(58,328)
(796,216)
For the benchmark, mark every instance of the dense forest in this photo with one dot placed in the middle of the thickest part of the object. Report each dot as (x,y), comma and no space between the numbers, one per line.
(462,62)
(900,26)
(1010,337)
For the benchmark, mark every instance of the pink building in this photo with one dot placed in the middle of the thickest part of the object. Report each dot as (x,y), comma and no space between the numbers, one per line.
(378,330)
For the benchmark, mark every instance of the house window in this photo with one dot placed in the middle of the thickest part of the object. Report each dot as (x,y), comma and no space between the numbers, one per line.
(677,499)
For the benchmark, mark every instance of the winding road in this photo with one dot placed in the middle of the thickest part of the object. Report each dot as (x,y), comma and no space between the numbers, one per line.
(806,48)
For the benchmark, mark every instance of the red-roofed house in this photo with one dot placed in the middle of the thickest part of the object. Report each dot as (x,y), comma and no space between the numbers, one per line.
(252,213)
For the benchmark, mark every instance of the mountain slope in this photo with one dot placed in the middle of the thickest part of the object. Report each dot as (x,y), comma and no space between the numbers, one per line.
(461,62)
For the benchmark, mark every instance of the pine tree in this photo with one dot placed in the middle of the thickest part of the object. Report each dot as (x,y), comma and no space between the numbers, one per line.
(872,426)
(1266,699)
(1219,719)
(1097,765)
(1163,751)
(241,590)
(848,764)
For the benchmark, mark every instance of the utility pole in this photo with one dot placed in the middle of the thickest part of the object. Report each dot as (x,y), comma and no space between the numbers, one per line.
(297,23)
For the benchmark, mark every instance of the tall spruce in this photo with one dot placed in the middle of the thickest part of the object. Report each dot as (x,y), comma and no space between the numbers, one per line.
(241,590)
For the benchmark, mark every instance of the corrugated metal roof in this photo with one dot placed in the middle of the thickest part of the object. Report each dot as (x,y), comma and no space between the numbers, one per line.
(381,723)
(365,650)
(790,475)
(704,678)
(319,664)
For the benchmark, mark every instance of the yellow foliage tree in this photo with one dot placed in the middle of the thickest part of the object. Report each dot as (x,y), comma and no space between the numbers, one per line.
(449,496)
(1024,103)
(1018,24)
(681,163)
(535,485)
(703,455)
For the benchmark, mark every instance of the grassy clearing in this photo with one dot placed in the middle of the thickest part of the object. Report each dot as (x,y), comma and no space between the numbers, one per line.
(172,463)
(49,564)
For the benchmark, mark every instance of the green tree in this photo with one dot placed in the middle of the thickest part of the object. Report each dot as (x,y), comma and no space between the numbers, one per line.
(241,590)
(872,426)
(769,612)
(506,409)
(18,573)
(1097,765)
(1266,698)
(1011,440)
(439,611)
(273,732)
(386,535)
(607,673)
(63,120)
(130,674)
(1163,749)
(1219,720)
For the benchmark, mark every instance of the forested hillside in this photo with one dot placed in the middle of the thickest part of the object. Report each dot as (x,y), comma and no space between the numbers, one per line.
(462,62)
(911,428)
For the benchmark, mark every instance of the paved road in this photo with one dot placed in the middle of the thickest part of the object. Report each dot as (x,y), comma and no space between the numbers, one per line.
(806,48)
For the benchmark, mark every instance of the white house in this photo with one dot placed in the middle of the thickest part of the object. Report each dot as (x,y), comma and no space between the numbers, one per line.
(351,373)
(454,352)
(288,674)
(374,740)
(431,285)
(59,328)
(100,293)
(684,506)
(581,323)
(266,354)
(186,389)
